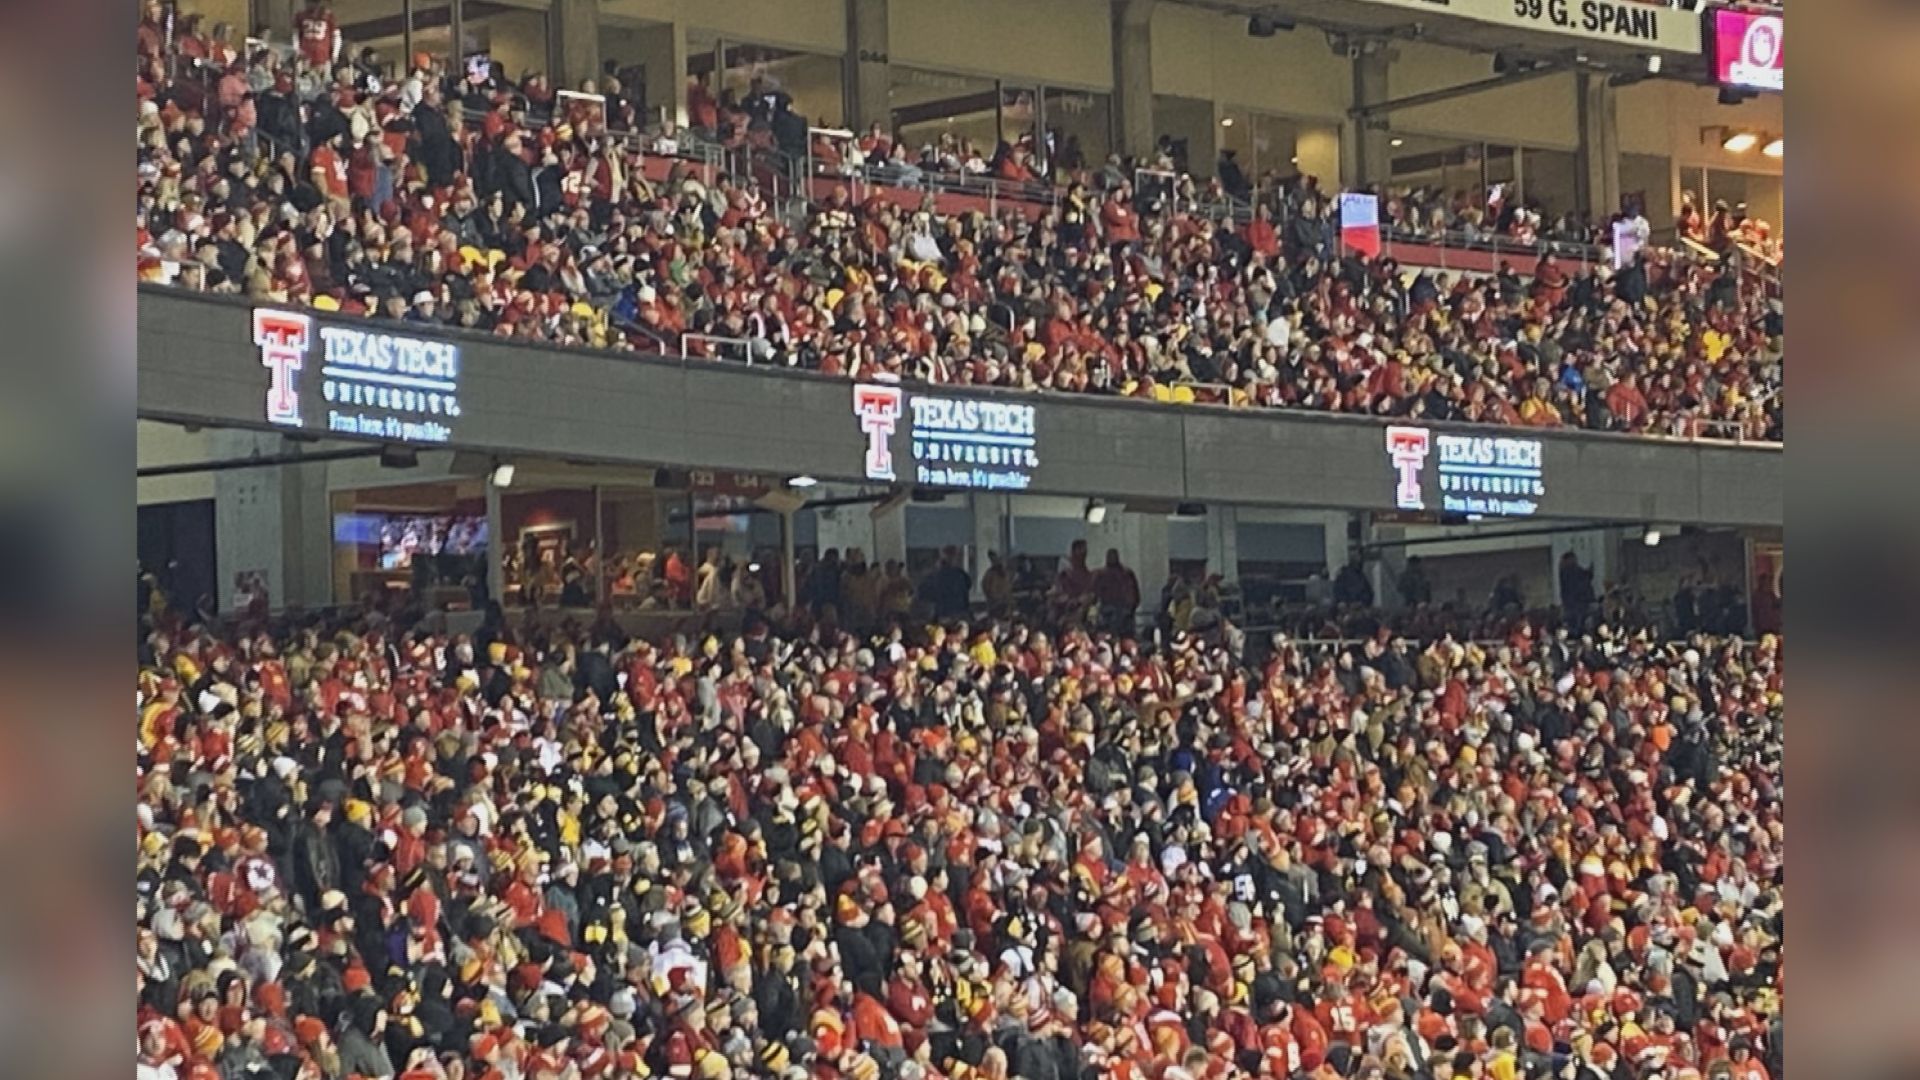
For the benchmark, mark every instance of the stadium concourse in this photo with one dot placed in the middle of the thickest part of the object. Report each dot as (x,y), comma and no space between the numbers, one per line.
(501,207)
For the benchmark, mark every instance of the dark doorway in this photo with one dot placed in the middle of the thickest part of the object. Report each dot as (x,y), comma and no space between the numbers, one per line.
(176,544)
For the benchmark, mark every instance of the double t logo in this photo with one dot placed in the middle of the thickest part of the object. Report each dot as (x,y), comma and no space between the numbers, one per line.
(283,338)
(878,408)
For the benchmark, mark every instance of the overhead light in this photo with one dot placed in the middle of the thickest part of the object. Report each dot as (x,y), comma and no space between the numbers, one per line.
(803,482)
(1096,511)
(1776,148)
(1651,538)
(1396,141)
(1295,159)
(503,474)
(753,568)
(1739,142)
(1653,63)
(1226,121)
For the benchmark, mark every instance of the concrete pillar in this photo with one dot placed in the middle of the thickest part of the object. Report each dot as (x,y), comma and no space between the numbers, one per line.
(276,18)
(273,521)
(1596,170)
(1223,542)
(991,517)
(842,527)
(1147,553)
(576,42)
(1338,547)
(1133,77)
(1364,142)
(662,50)
(497,545)
(1387,563)
(1141,540)
(889,534)
(869,79)
(1594,550)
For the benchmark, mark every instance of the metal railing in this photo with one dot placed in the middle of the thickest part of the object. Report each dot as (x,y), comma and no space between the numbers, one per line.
(1202,393)
(863,176)
(717,347)
(1154,184)
(1722,430)
(1491,243)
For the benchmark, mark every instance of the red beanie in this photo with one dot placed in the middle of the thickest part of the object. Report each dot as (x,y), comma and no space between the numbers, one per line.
(308,1030)
(271,998)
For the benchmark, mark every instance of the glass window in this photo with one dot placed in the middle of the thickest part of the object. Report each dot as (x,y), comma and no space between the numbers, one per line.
(1190,133)
(637,535)
(515,39)
(1766,201)
(1079,127)
(733,70)
(1500,165)
(931,105)
(1727,187)
(1646,181)
(642,58)
(1443,165)
(1273,149)
(1019,113)
(1548,182)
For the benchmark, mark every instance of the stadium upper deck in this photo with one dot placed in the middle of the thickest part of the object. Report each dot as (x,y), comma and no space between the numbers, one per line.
(308,183)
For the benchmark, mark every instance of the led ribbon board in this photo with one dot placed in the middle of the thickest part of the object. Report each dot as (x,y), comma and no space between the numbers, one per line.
(1491,475)
(986,445)
(375,384)
(1479,475)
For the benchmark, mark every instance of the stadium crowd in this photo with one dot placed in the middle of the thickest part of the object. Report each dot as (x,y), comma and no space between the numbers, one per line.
(312,179)
(970,848)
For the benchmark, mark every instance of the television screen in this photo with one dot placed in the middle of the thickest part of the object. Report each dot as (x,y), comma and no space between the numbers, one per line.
(397,538)
(1749,49)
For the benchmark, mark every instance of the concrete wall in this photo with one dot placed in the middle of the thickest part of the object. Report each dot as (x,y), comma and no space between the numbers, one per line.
(1204,54)
(171,444)
(1058,42)
(1665,118)
(518,41)
(810,25)
(1540,112)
